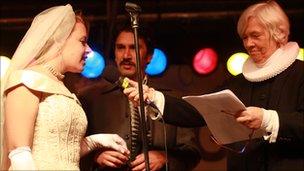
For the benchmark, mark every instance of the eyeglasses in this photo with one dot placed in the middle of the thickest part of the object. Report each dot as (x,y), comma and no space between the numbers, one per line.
(242,150)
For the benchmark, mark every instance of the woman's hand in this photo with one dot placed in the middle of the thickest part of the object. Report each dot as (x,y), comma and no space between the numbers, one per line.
(252,117)
(104,141)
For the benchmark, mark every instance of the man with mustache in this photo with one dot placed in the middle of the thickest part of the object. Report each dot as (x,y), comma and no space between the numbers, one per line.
(110,111)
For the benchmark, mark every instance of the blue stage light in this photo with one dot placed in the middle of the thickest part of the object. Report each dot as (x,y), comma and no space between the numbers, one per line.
(158,63)
(94,65)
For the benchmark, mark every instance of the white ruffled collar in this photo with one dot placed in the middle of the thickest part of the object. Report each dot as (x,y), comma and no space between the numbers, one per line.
(280,60)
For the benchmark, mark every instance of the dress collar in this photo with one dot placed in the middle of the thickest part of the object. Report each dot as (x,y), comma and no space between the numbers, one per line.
(280,60)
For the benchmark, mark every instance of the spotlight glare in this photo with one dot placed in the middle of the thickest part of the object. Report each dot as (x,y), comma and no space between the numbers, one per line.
(94,65)
(205,61)
(157,64)
(301,54)
(235,63)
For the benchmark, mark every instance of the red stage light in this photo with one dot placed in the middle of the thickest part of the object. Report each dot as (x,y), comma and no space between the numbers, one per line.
(205,61)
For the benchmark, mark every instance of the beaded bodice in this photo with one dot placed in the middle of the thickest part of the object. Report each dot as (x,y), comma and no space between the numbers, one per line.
(60,123)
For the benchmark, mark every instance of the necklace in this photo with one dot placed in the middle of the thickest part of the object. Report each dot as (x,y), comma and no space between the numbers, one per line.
(53,71)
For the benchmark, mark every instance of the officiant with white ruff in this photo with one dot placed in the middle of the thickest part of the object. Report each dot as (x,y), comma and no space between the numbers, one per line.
(272,87)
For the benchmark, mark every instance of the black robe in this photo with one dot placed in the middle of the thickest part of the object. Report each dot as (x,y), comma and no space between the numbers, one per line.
(283,93)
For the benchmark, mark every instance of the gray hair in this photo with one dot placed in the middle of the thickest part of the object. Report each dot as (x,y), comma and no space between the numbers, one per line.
(271,16)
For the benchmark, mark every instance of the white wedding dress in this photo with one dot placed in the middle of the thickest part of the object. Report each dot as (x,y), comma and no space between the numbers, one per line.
(60,124)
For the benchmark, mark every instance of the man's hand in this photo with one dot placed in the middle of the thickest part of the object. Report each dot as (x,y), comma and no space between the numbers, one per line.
(157,159)
(133,95)
(112,158)
(252,117)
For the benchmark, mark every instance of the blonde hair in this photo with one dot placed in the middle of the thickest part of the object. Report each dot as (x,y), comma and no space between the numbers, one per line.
(271,15)
(84,20)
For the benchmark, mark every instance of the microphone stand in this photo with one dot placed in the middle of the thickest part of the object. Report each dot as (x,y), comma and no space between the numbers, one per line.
(133,11)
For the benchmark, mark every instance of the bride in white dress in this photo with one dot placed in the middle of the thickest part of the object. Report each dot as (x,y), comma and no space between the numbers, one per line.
(44,124)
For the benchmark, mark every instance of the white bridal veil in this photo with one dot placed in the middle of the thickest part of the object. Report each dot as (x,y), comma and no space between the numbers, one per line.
(42,42)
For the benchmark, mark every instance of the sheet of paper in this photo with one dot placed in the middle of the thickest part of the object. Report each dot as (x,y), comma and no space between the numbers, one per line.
(218,110)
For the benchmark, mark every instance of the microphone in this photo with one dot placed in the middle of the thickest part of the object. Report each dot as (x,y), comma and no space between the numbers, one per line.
(132,8)
(123,82)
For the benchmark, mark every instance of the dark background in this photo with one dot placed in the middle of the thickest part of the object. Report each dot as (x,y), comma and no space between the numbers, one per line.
(180,29)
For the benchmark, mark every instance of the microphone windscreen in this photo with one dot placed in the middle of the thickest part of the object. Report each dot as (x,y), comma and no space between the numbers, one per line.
(123,82)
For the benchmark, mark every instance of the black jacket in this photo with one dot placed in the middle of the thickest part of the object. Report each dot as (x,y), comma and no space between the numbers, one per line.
(108,111)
